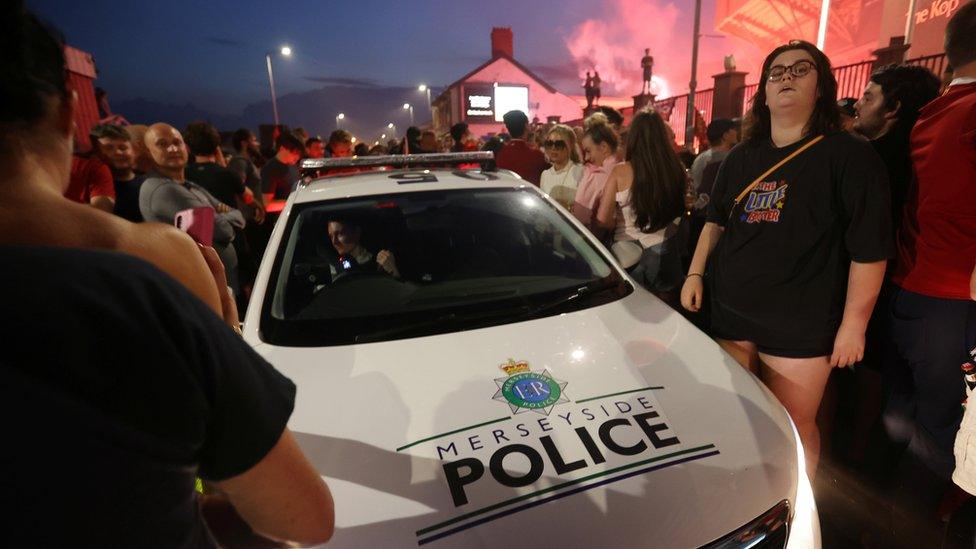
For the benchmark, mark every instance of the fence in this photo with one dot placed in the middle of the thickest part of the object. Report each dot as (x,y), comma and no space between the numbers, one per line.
(674,110)
(703,102)
(851,80)
(748,92)
(935,63)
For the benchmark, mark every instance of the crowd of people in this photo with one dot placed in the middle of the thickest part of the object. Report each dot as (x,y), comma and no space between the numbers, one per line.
(801,243)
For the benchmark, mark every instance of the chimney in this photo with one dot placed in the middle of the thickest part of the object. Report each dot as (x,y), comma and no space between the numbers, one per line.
(501,42)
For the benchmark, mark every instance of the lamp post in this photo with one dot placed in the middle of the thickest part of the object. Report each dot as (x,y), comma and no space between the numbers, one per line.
(422,89)
(392,127)
(690,108)
(339,118)
(409,107)
(286,52)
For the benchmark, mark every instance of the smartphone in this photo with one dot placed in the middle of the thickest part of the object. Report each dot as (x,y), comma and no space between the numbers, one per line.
(198,223)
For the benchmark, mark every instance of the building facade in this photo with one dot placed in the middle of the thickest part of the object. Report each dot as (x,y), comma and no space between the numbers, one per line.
(481,97)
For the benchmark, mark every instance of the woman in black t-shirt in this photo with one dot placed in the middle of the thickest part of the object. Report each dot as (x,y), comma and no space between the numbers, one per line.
(796,262)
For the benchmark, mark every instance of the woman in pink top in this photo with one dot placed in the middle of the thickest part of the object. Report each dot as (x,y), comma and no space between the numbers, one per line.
(599,148)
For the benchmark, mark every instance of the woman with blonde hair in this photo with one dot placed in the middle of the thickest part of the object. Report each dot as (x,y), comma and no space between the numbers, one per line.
(562,178)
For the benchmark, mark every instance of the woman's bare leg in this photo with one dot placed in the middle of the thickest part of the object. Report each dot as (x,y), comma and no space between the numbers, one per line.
(799,384)
(744,352)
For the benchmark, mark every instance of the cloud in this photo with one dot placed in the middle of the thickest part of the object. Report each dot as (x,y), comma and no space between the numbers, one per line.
(221,41)
(343,81)
(564,71)
(614,43)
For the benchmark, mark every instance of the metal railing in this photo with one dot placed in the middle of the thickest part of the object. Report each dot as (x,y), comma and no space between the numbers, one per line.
(673,110)
(852,78)
(936,63)
(748,92)
(703,102)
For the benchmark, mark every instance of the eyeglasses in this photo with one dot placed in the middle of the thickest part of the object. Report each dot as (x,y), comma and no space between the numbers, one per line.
(558,144)
(798,70)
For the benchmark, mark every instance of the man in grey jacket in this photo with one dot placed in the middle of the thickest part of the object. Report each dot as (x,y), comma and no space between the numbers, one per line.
(166,192)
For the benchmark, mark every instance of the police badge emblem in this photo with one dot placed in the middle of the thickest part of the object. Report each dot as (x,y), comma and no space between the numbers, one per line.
(522,389)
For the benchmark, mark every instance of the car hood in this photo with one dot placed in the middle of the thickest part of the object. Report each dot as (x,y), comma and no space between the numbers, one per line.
(619,425)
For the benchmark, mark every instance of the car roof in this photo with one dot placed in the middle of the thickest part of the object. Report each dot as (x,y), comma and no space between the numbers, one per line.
(381,182)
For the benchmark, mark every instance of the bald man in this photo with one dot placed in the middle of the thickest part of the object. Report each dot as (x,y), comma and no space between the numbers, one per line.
(36,214)
(167,192)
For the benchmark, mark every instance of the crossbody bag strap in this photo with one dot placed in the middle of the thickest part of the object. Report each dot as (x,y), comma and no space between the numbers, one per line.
(766,173)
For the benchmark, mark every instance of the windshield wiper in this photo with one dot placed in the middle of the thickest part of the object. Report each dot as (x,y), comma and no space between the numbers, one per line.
(588,289)
(447,319)
(477,319)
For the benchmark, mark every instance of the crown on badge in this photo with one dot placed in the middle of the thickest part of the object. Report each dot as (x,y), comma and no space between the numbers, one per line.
(511,367)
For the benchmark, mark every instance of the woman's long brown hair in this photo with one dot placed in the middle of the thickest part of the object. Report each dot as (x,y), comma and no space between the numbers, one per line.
(657,194)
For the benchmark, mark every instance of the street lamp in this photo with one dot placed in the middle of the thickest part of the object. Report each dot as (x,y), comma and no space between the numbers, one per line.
(409,107)
(383,136)
(286,52)
(422,89)
(339,117)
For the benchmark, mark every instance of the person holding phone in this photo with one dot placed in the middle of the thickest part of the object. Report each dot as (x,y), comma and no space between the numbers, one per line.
(797,238)
(167,192)
(345,235)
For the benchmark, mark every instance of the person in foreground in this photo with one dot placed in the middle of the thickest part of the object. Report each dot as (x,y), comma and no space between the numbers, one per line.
(932,318)
(796,240)
(134,386)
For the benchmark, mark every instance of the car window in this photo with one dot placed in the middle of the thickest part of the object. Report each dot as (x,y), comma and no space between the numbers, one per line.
(410,264)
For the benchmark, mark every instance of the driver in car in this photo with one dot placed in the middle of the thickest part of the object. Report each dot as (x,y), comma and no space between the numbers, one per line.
(345,237)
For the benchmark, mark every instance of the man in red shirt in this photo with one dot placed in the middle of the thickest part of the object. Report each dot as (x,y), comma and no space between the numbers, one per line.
(933,318)
(91,183)
(516,155)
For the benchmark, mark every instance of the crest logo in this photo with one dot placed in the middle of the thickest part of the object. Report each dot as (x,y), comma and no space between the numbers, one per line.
(522,389)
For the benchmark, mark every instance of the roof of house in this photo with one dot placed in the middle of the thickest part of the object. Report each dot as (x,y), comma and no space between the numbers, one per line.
(481,67)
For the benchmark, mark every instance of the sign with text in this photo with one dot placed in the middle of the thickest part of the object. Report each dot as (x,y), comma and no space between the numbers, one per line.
(931,17)
(479,102)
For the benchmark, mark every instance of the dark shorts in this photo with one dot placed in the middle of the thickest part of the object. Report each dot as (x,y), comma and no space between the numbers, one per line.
(727,325)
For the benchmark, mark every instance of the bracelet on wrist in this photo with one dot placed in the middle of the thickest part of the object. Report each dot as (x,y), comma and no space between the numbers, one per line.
(689,275)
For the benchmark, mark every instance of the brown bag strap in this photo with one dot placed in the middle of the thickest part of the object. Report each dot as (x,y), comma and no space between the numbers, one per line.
(766,173)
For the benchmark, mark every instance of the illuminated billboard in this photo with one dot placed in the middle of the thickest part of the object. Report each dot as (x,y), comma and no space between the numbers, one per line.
(490,102)
(511,98)
(479,102)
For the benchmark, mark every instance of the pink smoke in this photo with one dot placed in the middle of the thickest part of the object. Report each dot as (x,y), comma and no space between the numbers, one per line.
(614,43)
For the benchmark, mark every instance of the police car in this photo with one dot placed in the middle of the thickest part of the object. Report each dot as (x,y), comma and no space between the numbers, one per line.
(474,369)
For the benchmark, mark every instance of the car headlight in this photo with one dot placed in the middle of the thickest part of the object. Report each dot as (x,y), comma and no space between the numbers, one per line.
(792,527)
(805,524)
(770,529)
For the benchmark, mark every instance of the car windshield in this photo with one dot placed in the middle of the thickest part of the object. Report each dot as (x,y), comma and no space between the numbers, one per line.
(403,265)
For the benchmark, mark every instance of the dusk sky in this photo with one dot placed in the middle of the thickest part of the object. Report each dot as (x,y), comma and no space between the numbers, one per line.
(211,54)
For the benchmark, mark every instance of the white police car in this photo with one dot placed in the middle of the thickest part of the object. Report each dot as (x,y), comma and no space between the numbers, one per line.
(475,370)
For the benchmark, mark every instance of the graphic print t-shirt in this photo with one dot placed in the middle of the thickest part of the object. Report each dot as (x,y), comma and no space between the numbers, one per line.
(781,266)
